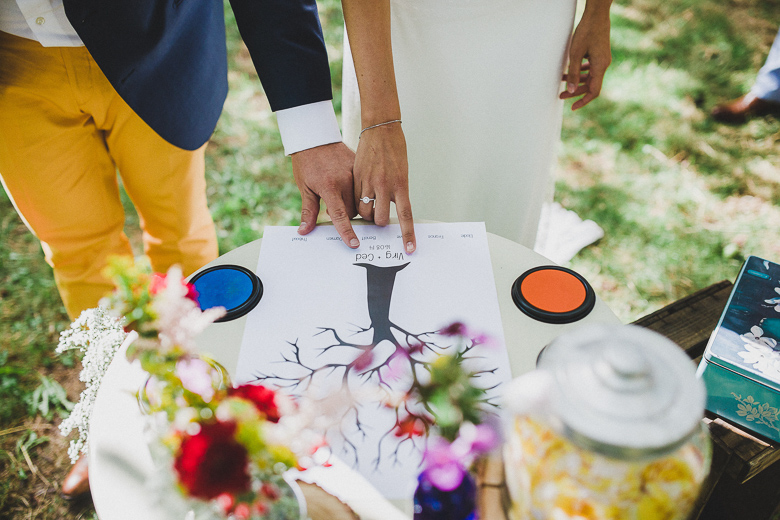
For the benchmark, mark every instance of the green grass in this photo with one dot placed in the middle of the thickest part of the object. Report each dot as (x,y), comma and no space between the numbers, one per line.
(31,313)
(682,200)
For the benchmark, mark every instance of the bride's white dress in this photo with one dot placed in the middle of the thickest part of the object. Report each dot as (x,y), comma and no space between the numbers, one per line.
(478,82)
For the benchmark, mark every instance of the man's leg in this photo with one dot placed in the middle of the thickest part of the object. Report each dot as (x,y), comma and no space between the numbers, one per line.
(763,99)
(767,84)
(168,188)
(56,168)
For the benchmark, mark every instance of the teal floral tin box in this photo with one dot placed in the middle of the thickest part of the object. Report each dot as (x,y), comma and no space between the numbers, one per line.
(741,364)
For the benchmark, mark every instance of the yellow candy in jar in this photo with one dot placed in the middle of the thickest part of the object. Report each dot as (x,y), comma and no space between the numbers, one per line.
(565,481)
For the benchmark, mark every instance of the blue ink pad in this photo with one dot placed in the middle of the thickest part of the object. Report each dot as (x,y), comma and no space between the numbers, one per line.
(233,287)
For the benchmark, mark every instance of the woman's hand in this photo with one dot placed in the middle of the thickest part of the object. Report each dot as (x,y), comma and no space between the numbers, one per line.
(589,55)
(381,173)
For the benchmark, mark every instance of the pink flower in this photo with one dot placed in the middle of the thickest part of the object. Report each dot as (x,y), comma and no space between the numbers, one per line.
(476,439)
(195,376)
(242,512)
(364,360)
(226,501)
(485,340)
(396,367)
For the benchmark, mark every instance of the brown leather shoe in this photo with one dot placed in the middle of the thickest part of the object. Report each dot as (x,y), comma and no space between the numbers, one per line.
(76,482)
(738,111)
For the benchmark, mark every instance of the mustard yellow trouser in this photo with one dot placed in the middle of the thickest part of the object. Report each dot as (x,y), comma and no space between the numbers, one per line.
(64,133)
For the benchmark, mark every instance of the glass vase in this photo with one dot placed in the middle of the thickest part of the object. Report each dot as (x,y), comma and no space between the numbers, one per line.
(149,393)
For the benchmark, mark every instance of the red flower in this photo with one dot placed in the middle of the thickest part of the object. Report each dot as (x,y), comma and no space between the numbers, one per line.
(271,491)
(192,293)
(409,427)
(212,462)
(160,282)
(263,399)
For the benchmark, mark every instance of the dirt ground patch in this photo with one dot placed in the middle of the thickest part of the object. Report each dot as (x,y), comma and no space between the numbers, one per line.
(30,478)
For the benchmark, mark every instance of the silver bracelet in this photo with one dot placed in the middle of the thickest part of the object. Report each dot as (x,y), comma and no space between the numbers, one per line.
(380,124)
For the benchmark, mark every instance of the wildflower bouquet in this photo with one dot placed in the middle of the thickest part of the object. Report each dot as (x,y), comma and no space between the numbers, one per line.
(454,411)
(223,450)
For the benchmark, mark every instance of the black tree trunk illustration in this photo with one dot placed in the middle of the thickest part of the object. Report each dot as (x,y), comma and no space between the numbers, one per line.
(379,287)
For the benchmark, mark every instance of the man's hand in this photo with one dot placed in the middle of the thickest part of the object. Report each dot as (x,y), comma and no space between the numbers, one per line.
(325,172)
(382,174)
(590,42)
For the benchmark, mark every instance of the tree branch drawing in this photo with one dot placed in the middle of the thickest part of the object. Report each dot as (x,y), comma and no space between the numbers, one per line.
(393,360)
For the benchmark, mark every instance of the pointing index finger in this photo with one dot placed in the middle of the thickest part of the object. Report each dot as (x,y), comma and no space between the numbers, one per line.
(338,214)
(404,209)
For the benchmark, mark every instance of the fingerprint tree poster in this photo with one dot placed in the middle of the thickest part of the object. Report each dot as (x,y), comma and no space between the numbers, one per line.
(361,326)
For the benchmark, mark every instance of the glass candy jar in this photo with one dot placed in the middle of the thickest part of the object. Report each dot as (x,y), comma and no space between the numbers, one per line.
(607,427)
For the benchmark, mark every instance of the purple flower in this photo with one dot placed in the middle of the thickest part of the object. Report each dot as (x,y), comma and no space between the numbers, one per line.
(455,329)
(446,463)
(443,466)
(477,439)
(477,338)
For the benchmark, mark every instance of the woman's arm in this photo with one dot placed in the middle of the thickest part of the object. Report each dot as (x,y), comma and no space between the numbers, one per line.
(381,170)
(590,42)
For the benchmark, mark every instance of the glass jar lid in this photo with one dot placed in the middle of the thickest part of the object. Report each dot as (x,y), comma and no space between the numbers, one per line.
(624,390)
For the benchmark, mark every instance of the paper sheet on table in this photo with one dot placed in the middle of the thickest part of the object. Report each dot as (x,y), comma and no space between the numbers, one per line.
(325,305)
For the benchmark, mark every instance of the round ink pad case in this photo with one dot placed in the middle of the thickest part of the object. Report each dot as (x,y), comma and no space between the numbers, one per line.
(553,294)
(233,287)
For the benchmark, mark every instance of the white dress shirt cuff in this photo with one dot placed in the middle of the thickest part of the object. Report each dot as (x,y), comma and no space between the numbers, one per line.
(307,126)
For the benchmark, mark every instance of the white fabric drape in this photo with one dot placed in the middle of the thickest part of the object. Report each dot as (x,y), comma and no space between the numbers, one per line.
(478,82)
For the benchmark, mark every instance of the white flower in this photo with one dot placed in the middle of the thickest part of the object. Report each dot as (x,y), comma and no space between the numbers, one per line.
(183,418)
(179,319)
(760,353)
(774,301)
(98,335)
(756,335)
(303,427)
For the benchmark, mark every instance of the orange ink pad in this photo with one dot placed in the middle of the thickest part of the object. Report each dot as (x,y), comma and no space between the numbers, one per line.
(553,294)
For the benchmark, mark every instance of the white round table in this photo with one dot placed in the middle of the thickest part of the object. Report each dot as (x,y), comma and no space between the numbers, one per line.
(120,462)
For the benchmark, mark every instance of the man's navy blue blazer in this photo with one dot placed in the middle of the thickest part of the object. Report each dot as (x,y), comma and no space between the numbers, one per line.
(168,58)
